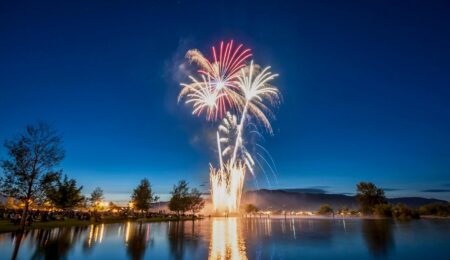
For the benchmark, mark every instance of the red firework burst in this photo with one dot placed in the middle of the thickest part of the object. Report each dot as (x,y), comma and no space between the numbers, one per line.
(223,71)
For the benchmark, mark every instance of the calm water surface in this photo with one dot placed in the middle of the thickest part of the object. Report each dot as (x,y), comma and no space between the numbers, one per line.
(234,238)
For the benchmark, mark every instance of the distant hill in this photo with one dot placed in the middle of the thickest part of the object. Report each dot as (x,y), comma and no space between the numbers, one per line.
(299,199)
(415,201)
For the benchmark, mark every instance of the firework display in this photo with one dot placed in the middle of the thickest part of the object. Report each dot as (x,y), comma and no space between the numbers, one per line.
(238,92)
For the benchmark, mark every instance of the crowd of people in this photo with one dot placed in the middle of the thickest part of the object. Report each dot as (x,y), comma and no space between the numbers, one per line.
(15,215)
(42,216)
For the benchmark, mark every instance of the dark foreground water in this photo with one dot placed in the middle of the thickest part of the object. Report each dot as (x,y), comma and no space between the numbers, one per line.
(233,238)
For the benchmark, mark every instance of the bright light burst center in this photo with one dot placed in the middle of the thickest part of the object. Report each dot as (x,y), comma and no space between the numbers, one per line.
(220,85)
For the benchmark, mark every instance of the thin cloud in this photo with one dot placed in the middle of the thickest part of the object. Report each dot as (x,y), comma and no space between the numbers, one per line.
(391,189)
(436,190)
(319,187)
(307,190)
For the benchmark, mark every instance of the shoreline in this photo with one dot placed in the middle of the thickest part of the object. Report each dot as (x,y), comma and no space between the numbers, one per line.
(337,217)
(6,226)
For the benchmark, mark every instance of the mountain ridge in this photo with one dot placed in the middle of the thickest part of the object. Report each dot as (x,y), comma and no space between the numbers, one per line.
(298,199)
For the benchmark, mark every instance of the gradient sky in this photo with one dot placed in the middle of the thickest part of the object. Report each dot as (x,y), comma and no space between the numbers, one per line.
(366,89)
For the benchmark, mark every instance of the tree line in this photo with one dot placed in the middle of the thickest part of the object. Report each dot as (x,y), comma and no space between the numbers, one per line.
(373,202)
(31,176)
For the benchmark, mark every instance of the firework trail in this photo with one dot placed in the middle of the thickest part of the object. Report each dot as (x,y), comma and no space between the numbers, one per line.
(235,91)
(228,136)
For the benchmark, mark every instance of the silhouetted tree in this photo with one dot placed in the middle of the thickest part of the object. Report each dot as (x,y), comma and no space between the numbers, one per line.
(369,196)
(96,196)
(250,209)
(325,209)
(65,194)
(143,196)
(179,202)
(113,205)
(436,209)
(383,210)
(403,212)
(29,171)
(196,202)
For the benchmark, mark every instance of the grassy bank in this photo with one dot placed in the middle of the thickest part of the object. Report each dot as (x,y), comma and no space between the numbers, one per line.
(7,226)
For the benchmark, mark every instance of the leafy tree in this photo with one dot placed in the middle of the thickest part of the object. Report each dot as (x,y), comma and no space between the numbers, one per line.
(96,197)
(403,212)
(85,202)
(325,209)
(10,203)
(250,209)
(143,196)
(29,171)
(436,209)
(65,194)
(113,205)
(369,196)
(196,202)
(383,210)
(344,210)
(179,202)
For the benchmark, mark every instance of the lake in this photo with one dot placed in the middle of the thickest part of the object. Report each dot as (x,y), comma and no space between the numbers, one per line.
(239,238)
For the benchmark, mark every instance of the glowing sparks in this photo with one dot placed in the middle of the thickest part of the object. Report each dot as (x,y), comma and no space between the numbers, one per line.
(256,89)
(230,85)
(222,72)
(202,95)
(229,136)
(226,187)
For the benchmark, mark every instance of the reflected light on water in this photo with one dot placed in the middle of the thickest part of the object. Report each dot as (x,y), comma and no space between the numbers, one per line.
(235,238)
(226,241)
(127,232)
(102,229)
(91,230)
(95,234)
(293,228)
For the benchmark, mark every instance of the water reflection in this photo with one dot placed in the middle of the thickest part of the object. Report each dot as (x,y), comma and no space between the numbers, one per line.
(94,237)
(378,236)
(183,235)
(234,238)
(226,240)
(56,243)
(137,240)
(48,244)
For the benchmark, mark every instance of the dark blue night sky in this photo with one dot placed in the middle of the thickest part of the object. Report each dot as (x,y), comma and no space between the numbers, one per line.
(366,89)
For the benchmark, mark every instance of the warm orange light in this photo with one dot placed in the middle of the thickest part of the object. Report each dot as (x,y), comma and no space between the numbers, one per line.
(226,188)
(226,240)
